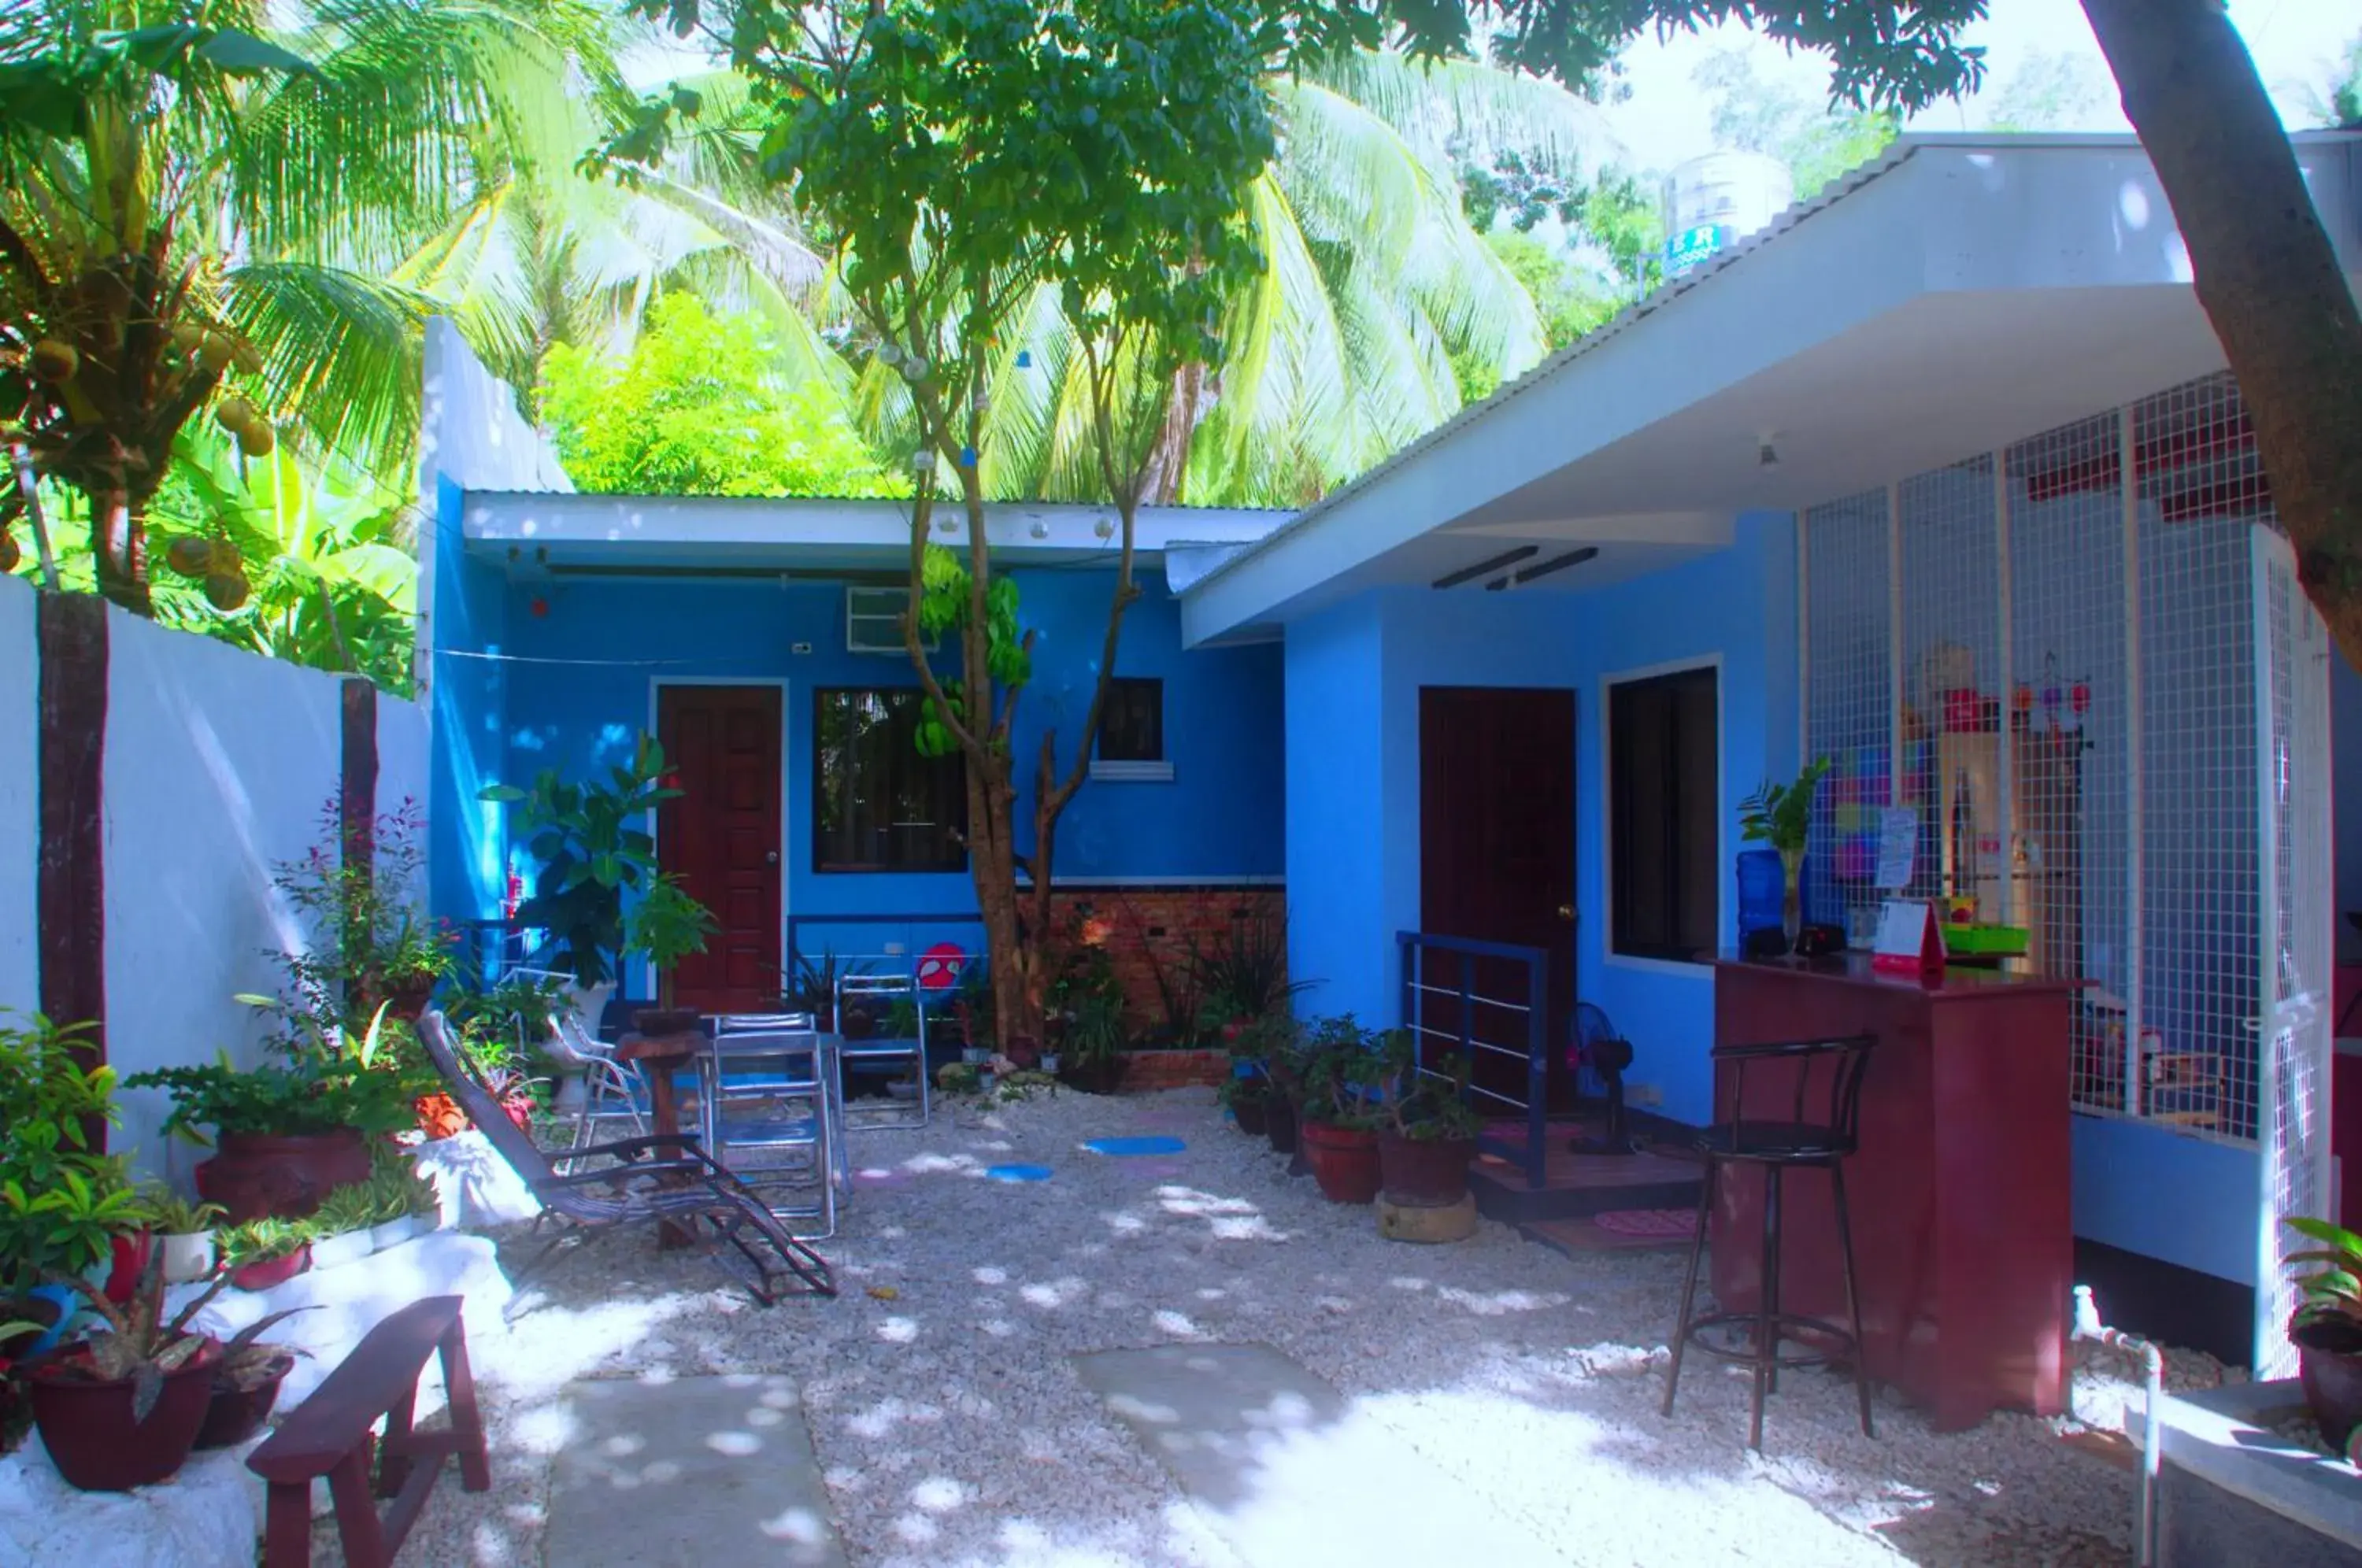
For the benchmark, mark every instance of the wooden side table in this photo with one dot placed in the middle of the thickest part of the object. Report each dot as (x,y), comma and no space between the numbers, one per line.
(662,1055)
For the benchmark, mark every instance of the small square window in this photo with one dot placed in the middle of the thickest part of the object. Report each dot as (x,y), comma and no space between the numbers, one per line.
(1131,725)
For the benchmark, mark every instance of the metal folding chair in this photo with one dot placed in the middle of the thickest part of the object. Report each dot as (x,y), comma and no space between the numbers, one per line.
(611,1091)
(782,1062)
(878,994)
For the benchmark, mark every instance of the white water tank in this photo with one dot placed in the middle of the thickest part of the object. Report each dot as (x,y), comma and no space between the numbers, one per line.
(1714,201)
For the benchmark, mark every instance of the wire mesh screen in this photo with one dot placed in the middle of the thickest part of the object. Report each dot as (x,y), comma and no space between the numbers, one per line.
(2202,850)
(1850,705)
(2069,709)
(2297,1153)
(1954,773)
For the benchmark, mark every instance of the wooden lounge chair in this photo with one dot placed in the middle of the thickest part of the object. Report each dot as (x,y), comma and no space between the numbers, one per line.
(663,1177)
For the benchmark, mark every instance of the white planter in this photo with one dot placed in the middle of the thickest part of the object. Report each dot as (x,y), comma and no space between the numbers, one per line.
(189,1256)
(391,1233)
(1050,1063)
(427,1224)
(344,1247)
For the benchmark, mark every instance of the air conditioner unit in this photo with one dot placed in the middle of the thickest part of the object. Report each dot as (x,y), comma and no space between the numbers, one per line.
(873,621)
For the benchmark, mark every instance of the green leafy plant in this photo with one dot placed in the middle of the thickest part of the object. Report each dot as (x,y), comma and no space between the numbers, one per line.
(1343,1069)
(668,925)
(352,1206)
(704,405)
(1780,814)
(168,1214)
(262,1241)
(2329,1308)
(247,1362)
(1431,1105)
(812,982)
(958,1077)
(1094,1031)
(1243,974)
(57,1193)
(314,1095)
(591,852)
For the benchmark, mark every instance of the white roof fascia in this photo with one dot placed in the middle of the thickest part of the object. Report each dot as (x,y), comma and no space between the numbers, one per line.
(648,526)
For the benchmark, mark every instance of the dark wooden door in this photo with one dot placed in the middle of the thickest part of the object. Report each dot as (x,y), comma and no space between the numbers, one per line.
(1496,856)
(721,837)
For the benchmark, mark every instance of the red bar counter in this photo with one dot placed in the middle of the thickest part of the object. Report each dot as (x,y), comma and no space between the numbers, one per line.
(1963,1237)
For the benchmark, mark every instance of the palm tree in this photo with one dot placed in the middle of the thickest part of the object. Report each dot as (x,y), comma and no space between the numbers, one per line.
(543,254)
(200,197)
(1377,313)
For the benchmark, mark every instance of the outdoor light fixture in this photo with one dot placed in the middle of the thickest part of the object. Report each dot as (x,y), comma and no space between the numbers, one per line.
(1487,568)
(1556,563)
(1104,528)
(1041,530)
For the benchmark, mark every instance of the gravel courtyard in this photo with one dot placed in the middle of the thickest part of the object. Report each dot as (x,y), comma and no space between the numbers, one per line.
(952,1428)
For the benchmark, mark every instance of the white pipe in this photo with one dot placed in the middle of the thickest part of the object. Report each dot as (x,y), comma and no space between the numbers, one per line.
(2089,1327)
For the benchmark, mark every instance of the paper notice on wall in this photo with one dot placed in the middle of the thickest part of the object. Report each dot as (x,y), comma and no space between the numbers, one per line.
(1898,847)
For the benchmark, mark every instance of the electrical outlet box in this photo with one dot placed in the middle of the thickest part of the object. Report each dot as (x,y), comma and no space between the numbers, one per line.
(1644,1094)
(799,647)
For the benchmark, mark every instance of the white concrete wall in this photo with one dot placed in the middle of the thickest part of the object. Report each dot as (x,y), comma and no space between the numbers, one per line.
(20,798)
(219,767)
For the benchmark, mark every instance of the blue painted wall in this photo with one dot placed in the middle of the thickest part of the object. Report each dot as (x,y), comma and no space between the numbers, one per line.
(589,657)
(2123,1172)
(1354,677)
(468,617)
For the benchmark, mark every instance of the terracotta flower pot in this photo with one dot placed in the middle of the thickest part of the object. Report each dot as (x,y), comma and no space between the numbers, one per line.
(255,1177)
(1344,1160)
(1430,1173)
(1280,1124)
(1251,1109)
(234,1415)
(657,1022)
(267,1272)
(91,1436)
(2332,1387)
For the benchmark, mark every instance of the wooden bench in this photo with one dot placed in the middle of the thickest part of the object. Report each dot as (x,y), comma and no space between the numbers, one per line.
(331,1434)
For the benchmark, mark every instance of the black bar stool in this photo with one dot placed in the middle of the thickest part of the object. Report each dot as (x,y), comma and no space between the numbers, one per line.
(1828,1084)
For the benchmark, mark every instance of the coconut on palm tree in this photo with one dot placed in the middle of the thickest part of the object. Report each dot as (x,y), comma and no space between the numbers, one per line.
(196,199)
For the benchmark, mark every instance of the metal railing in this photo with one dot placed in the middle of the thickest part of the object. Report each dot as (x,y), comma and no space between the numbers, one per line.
(1443,1011)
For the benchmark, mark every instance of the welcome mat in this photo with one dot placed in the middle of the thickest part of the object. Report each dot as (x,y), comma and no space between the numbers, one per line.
(1655,1224)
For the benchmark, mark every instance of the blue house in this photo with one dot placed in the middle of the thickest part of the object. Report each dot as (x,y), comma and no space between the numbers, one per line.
(1952,441)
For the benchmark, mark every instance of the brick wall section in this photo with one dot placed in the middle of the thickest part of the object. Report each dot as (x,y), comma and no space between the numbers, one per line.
(1149,927)
(1175,1070)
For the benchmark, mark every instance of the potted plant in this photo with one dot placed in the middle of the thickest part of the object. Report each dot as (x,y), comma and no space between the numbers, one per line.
(285,1136)
(591,853)
(811,987)
(340,1226)
(121,1409)
(1781,815)
(390,1209)
(2327,1327)
(185,1230)
(1429,1137)
(245,1385)
(1094,1043)
(668,925)
(1246,1099)
(959,1077)
(1285,1055)
(1341,1112)
(261,1253)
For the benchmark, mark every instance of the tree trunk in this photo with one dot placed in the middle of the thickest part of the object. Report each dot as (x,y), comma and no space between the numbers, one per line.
(2266,271)
(120,552)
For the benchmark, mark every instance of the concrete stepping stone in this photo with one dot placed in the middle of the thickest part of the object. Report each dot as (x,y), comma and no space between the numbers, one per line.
(1287,1473)
(689,1473)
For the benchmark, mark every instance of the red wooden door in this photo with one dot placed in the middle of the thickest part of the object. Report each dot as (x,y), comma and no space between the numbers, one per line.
(721,837)
(1497,858)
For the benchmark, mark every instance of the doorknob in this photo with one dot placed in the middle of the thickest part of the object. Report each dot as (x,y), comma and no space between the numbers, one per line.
(772,858)
(1566,913)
